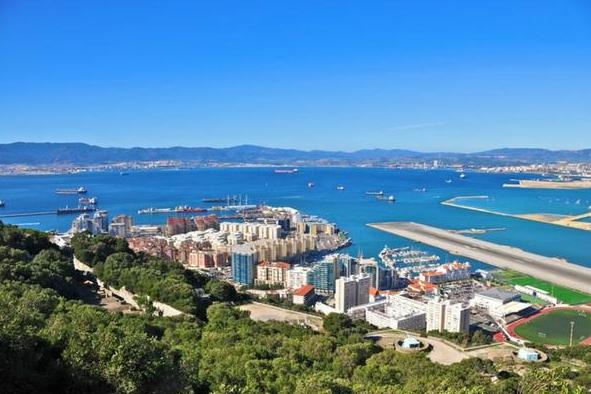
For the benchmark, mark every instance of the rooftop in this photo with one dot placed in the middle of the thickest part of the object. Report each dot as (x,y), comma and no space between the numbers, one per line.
(498,294)
(304,290)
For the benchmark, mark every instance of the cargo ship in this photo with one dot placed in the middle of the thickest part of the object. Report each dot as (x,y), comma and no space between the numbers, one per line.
(79,209)
(80,190)
(228,200)
(285,171)
(179,209)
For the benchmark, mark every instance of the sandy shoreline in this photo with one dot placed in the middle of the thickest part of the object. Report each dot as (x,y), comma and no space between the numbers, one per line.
(546,268)
(530,184)
(548,218)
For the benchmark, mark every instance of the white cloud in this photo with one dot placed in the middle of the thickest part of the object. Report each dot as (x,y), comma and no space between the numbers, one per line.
(417,126)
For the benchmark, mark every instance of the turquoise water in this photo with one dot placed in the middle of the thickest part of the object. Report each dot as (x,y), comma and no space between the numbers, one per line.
(351,209)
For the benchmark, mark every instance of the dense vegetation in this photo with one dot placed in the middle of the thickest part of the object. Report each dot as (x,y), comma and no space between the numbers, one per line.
(463,339)
(52,343)
(162,280)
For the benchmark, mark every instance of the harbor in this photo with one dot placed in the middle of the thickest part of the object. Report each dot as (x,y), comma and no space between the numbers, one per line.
(551,269)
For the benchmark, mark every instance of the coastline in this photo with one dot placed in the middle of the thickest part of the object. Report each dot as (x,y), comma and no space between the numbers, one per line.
(547,218)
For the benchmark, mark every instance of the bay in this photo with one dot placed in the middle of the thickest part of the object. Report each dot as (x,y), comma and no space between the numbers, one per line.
(351,209)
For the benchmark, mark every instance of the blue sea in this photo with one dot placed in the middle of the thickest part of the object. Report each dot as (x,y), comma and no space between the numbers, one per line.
(350,208)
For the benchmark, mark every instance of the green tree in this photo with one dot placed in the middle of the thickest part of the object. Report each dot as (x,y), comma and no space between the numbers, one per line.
(221,290)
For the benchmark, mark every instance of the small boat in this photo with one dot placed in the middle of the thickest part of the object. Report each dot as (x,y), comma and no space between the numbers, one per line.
(80,190)
(122,173)
(310,184)
(2,204)
(389,198)
(420,189)
(285,171)
(462,175)
(339,187)
(380,193)
(88,201)
(448,181)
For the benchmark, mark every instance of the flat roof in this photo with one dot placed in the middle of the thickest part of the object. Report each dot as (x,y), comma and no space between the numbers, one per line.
(498,294)
(513,307)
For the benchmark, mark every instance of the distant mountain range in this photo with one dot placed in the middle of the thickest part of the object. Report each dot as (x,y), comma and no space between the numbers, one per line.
(37,154)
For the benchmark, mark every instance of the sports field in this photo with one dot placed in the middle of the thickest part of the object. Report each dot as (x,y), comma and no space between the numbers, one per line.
(565,295)
(553,328)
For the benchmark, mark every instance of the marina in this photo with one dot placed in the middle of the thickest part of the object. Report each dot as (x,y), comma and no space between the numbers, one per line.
(409,262)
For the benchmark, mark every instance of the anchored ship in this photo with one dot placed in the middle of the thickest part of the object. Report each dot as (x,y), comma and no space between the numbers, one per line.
(80,190)
(79,209)
(88,201)
(389,198)
(285,171)
(179,209)
(228,200)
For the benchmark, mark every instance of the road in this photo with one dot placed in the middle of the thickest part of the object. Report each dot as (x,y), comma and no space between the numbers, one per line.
(265,312)
(546,268)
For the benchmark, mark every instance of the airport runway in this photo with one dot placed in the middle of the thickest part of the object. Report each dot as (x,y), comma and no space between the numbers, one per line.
(551,269)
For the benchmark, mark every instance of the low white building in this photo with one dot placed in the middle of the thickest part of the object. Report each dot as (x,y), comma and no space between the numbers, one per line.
(399,313)
(492,299)
(305,295)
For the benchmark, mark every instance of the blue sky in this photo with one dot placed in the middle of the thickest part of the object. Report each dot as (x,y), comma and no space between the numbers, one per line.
(425,75)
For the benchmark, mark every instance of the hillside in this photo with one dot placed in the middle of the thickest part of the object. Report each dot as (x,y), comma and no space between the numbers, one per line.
(35,154)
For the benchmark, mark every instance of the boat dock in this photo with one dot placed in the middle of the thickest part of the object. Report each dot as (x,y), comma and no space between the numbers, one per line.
(551,269)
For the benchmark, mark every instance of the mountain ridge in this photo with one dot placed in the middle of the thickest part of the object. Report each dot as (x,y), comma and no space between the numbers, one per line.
(77,153)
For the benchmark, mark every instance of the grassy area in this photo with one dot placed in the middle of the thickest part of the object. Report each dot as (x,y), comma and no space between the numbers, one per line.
(554,328)
(564,294)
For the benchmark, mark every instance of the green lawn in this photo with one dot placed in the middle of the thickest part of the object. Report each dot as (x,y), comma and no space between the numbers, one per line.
(564,294)
(554,328)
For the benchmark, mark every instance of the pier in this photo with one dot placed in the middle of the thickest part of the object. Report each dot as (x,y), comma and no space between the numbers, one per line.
(551,269)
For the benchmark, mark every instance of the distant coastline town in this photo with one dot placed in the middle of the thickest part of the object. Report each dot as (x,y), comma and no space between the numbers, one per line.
(561,175)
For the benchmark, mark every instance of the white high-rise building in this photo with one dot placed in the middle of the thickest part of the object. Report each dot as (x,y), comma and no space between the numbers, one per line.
(351,291)
(297,277)
(447,316)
